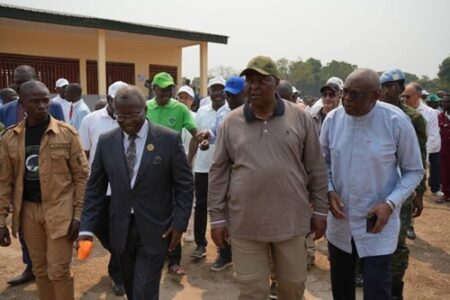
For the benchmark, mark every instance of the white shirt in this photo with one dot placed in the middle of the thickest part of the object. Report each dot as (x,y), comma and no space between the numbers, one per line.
(205,119)
(65,105)
(92,126)
(186,136)
(434,138)
(205,101)
(363,156)
(80,111)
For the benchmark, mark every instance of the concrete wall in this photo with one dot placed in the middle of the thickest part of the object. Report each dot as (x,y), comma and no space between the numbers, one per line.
(83,46)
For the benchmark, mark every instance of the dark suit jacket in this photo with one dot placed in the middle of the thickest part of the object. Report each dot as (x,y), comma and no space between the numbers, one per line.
(161,197)
(8,112)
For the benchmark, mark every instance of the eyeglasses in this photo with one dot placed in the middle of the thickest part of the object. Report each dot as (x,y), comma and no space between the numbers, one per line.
(131,116)
(330,94)
(219,93)
(406,96)
(354,95)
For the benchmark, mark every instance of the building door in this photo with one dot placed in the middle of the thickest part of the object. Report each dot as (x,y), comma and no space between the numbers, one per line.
(48,69)
(115,71)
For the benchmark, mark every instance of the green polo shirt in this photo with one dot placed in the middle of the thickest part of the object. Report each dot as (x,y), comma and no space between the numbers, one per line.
(174,115)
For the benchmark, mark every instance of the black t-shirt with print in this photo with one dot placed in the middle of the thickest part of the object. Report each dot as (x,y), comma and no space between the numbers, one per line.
(31,182)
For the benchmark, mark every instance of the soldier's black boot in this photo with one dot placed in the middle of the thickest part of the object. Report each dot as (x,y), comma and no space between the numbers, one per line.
(397,290)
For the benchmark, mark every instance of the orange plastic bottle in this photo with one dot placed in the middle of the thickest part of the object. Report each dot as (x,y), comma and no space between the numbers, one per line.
(84,249)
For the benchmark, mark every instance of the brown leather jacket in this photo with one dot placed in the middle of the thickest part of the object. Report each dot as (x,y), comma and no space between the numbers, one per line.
(63,173)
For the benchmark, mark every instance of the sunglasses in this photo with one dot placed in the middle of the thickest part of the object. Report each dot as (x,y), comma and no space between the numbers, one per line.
(329,94)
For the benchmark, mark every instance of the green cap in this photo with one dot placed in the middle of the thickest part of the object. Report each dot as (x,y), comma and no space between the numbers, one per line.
(163,80)
(433,98)
(263,65)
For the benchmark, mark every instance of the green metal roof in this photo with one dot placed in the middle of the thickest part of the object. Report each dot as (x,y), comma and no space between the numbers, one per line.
(42,16)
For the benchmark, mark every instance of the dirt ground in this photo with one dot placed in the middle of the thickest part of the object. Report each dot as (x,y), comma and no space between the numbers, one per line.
(428,276)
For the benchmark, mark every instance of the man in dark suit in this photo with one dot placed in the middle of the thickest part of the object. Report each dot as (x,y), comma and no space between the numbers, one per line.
(12,113)
(151,193)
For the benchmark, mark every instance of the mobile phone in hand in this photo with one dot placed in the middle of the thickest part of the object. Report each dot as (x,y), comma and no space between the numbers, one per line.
(370,222)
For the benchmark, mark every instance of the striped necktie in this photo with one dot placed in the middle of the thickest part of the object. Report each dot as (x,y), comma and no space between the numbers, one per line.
(130,155)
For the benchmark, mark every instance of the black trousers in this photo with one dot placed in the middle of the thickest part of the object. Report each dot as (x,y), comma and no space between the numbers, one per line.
(175,256)
(434,181)
(375,271)
(102,233)
(140,270)
(201,208)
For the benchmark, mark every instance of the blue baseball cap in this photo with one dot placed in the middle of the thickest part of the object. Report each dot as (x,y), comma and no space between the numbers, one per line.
(234,85)
(392,75)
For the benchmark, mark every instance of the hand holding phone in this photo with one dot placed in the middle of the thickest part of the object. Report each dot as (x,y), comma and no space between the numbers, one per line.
(371,219)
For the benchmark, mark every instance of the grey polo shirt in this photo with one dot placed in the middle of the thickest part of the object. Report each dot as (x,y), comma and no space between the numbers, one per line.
(266,174)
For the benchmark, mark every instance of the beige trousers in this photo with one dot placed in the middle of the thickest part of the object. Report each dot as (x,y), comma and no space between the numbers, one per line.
(252,261)
(51,258)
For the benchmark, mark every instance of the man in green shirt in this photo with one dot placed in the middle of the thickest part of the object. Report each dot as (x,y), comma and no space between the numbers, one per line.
(168,112)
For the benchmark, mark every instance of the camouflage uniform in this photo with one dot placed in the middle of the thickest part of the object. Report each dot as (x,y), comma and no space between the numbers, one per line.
(400,257)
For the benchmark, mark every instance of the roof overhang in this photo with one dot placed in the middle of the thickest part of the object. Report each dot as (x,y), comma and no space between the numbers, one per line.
(42,16)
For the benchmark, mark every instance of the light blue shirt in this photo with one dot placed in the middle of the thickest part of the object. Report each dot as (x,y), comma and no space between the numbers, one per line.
(81,110)
(220,117)
(370,159)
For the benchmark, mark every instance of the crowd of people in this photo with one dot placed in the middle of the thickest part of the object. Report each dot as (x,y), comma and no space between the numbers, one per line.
(273,172)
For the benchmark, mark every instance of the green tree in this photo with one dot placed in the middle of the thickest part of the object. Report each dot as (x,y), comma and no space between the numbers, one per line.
(409,77)
(339,69)
(444,73)
(283,68)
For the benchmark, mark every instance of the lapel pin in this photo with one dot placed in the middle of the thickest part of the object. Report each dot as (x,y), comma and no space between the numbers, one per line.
(150,147)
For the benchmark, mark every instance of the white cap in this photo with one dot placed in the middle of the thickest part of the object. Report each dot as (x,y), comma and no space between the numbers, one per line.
(337,81)
(216,80)
(186,89)
(114,87)
(425,92)
(61,82)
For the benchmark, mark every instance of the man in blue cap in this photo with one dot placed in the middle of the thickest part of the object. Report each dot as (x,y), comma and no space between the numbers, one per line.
(392,86)
(234,91)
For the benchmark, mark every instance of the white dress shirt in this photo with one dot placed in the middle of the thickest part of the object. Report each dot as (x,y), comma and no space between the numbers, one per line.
(65,105)
(434,137)
(80,111)
(92,126)
(205,119)
(363,156)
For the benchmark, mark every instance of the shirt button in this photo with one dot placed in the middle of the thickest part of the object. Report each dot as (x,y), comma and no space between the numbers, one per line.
(265,122)
(265,130)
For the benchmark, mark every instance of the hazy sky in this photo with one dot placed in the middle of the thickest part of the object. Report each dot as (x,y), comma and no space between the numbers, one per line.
(412,35)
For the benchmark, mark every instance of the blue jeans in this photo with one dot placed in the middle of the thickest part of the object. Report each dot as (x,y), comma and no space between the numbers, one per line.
(376,272)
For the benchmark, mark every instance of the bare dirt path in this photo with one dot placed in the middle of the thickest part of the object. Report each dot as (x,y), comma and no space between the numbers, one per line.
(428,276)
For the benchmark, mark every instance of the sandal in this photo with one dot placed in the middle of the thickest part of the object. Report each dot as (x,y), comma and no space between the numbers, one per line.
(177,270)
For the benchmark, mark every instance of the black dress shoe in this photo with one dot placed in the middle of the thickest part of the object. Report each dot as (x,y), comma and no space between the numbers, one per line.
(118,289)
(26,276)
(410,233)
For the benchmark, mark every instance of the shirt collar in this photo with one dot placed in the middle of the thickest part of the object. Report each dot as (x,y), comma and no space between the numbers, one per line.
(153,105)
(277,112)
(75,104)
(142,133)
